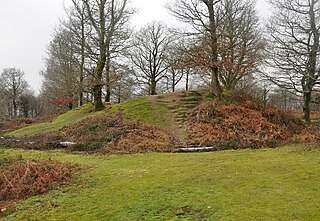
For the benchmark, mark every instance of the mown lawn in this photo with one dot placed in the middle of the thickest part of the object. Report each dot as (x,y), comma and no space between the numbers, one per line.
(269,184)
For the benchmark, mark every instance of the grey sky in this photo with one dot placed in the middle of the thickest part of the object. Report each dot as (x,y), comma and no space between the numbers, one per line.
(26,28)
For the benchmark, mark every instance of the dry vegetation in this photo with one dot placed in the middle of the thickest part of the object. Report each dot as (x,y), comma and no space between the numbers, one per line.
(249,125)
(10,125)
(20,178)
(109,133)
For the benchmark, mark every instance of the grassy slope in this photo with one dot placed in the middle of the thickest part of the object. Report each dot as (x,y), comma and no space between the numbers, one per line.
(269,184)
(166,111)
(62,120)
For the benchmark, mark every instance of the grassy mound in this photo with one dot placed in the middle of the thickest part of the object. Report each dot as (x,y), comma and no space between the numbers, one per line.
(244,124)
(180,118)
(20,179)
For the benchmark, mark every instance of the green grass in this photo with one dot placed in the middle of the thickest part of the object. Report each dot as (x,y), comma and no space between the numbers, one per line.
(62,120)
(269,184)
(166,111)
(144,109)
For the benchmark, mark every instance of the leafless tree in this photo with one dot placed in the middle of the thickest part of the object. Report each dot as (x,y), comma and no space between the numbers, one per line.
(294,47)
(240,42)
(13,85)
(175,71)
(148,54)
(226,38)
(122,83)
(78,25)
(105,17)
(204,17)
(29,104)
(60,85)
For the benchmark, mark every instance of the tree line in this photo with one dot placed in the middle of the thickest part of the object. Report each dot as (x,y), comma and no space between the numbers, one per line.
(96,56)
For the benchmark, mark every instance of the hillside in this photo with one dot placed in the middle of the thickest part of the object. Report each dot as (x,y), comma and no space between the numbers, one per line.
(161,122)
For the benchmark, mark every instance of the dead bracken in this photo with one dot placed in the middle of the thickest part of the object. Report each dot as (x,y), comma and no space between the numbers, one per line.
(20,178)
(249,125)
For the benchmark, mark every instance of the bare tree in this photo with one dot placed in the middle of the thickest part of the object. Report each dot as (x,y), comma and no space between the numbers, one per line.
(203,15)
(13,85)
(148,54)
(175,72)
(28,105)
(226,38)
(78,24)
(122,83)
(240,43)
(294,48)
(105,16)
(60,84)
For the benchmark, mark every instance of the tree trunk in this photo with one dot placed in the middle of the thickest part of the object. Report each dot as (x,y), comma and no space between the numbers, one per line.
(97,87)
(119,94)
(187,81)
(215,88)
(83,43)
(15,108)
(173,82)
(80,99)
(70,106)
(97,96)
(215,84)
(306,106)
(108,81)
(153,87)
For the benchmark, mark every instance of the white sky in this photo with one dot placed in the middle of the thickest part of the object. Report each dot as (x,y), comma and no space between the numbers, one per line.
(26,28)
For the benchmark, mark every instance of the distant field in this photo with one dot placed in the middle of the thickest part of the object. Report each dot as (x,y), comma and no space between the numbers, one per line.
(267,184)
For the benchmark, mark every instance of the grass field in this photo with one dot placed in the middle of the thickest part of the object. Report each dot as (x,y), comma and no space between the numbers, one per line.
(268,184)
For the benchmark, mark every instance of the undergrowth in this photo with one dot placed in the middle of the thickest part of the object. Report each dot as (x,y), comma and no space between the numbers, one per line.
(244,123)
(21,178)
(9,125)
(109,133)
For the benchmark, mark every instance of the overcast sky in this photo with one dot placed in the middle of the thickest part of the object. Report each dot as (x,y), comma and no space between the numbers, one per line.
(26,28)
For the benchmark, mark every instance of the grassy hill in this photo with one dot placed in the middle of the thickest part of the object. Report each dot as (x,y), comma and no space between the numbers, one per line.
(269,184)
(179,119)
(165,111)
